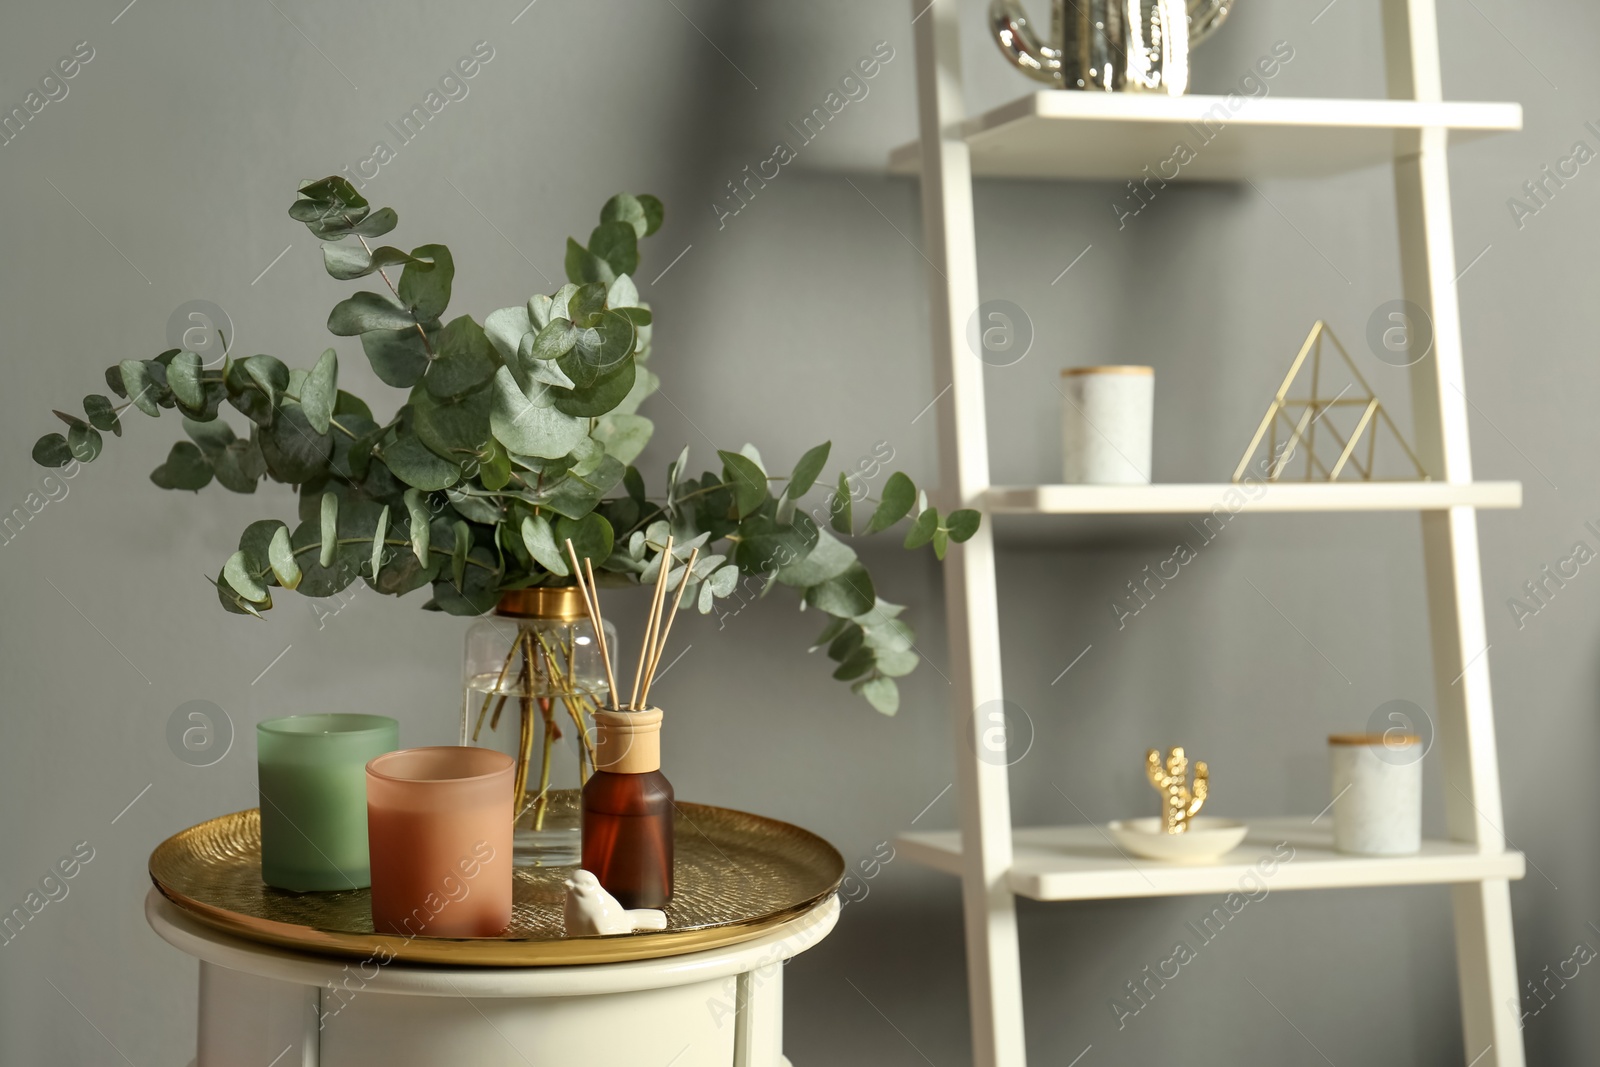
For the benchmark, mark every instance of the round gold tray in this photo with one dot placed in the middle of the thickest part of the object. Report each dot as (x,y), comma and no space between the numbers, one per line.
(736,876)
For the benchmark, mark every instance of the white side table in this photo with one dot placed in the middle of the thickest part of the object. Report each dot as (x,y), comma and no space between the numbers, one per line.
(263,1005)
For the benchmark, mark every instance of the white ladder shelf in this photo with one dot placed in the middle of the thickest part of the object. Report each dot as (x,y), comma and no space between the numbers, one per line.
(1067,135)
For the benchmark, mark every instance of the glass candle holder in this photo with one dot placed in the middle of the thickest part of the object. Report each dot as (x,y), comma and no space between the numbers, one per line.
(440,821)
(312,775)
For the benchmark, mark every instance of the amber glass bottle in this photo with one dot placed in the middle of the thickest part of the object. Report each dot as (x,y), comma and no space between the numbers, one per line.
(627,810)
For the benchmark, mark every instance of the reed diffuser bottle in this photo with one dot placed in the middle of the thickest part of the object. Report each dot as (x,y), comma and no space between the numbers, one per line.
(627,810)
(627,803)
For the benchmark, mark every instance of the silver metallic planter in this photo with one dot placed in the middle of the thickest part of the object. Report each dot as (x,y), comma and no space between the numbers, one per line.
(1109,45)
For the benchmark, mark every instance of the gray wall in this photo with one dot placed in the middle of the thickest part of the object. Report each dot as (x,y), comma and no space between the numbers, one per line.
(801,319)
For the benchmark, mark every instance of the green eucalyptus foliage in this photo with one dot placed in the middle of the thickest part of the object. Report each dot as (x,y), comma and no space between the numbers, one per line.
(514,436)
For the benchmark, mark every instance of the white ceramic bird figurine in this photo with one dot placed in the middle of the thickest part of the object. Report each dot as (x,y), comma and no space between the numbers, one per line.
(591,910)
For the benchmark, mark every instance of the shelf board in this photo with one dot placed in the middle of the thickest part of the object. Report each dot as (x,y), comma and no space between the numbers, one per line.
(1082,863)
(1200,499)
(1092,135)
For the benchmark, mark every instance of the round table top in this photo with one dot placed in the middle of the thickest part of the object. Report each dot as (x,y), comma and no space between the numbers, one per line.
(211,945)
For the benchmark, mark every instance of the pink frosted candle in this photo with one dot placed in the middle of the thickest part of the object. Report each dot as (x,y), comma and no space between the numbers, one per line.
(439,825)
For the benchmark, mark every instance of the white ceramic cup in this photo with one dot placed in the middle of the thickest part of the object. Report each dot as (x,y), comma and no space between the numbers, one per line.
(1377,790)
(1106,424)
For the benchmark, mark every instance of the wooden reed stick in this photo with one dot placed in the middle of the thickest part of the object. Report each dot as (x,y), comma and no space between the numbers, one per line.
(655,620)
(655,659)
(600,630)
(591,601)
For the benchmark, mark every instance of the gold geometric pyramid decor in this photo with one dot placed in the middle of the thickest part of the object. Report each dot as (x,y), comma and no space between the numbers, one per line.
(1300,419)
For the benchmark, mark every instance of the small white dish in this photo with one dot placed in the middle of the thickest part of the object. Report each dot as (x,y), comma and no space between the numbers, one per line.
(1206,841)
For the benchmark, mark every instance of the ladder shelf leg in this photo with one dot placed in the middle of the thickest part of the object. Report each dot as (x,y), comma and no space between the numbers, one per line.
(1485,950)
(994,975)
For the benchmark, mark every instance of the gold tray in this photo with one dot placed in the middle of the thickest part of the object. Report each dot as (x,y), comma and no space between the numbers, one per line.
(736,876)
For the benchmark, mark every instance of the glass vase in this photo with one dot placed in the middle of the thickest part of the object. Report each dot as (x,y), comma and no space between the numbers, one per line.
(532,679)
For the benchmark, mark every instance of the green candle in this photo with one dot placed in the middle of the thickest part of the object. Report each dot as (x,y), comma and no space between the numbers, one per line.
(312,772)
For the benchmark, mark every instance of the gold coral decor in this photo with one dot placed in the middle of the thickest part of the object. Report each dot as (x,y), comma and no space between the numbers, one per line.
(1180,801)
(1300,418)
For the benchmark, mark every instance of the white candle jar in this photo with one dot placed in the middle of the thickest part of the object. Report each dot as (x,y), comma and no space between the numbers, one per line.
(1377,793)
(1107,416)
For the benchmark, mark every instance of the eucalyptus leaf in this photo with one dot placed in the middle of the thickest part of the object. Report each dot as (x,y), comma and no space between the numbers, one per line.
(183,378)
(840,505)
(747,479)
(52,450)
(417,509)
(232,601)
(240,466)
(186,468)
(962,524)
(599,349)
(624,436)
(849,593)
(558,306)
(806,471)
(455,429)
(626,208)
(398,357)
(494,469)
(540,540)
(379,532)
(899,494)
(505,329)
(476,507)
(881,693)
(462,545)
(531,428)
(466,359)
(349,404)
(541,309)
(236,572)
(418,466)
(654,213)
(923,529)
(293,449)
(583,265)
(212,437)
(618,244)
(280,555)
(425,283)
(329,529)
(84,442)
(102,416)
(828,559)
(599,396)
(378,223)
(370,311)
(723,581)
(138,385)
(766,545)
(623,293)
(574,496)
(267,374)
(321,389)
(552,342)
(591,536)
(586,303)
(347,261)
